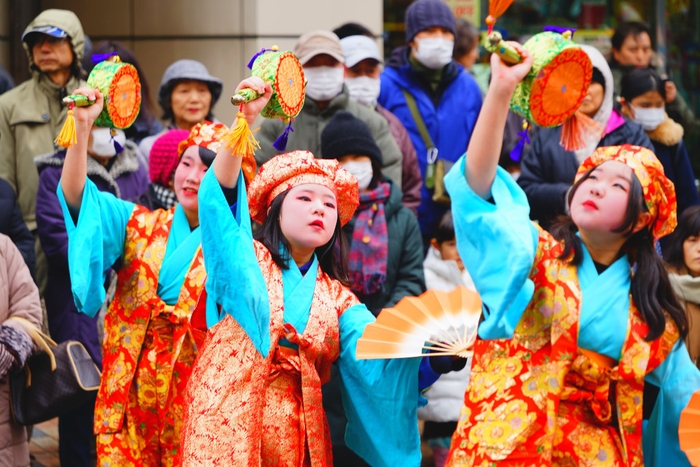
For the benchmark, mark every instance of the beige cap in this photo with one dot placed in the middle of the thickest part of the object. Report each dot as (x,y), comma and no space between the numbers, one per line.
(318,42)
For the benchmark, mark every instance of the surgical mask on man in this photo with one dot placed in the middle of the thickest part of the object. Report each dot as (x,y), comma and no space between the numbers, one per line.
(324,82)
(103,142)
(434,52)
(649,119)
(362,171)
(364,90)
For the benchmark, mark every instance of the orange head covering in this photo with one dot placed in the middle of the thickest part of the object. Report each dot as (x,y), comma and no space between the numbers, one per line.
(659,192)
(208,135)
(295,168)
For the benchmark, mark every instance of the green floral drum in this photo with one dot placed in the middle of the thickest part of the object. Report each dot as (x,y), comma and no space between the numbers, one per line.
(286,77)
(119,84)
(557,83)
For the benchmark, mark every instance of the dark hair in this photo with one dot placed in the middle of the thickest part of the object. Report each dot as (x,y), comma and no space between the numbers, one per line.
(352,29)
(168,90)
(126,56)
(639,81)
(688,226)
(466,38)
(650,286)
(376,174)
(207,156)
(332,257)
(629,28)
(445,230)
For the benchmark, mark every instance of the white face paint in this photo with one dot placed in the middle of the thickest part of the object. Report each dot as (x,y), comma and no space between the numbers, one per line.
(103,141)
(324,82)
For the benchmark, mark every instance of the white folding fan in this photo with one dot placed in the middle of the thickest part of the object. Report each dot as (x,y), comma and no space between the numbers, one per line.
(689,430)
(443,322)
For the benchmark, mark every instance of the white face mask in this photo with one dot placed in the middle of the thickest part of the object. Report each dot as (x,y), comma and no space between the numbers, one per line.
(103,141)
(364,90)
(650,119)
(362,171)
(324,82)
(434,53)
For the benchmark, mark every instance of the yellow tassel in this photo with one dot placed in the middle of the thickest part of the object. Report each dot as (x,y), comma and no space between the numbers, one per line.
(67,137)
(240,139)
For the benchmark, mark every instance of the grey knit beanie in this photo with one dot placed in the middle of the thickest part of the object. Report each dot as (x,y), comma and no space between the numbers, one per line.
(424,14)
(187,69)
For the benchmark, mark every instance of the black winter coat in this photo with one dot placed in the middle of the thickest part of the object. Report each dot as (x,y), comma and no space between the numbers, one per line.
(12,225)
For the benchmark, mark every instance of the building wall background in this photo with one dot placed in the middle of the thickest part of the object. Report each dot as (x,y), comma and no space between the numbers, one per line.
(222,34)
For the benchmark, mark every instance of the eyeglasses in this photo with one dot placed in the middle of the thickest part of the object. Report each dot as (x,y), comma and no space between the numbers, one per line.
(40,39)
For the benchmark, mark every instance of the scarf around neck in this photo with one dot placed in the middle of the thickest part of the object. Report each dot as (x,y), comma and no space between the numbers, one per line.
(369,246)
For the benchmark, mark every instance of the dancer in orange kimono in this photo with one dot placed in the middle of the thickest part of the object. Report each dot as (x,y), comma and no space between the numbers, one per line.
(280,316)
(578,325)
(149,346)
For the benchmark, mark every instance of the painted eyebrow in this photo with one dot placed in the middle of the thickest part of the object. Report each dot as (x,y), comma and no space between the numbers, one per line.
(314,193)
(616,176)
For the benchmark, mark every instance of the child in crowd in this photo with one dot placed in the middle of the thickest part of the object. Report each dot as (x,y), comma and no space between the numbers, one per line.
(683,256)
(444,270)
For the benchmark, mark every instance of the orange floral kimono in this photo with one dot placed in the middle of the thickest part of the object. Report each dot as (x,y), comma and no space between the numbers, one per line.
(559,370)
(149,346)
(254,397)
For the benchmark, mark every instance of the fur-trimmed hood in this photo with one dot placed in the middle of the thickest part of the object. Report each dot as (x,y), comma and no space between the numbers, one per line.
(124,163)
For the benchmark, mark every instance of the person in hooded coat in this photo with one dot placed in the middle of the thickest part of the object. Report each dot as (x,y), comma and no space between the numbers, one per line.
(31,115)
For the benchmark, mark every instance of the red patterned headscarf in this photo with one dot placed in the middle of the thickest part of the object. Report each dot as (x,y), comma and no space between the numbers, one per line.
(659,192)
(288,170)
(208,135)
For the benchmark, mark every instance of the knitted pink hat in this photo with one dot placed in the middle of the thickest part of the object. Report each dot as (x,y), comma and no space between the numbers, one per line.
(164,156)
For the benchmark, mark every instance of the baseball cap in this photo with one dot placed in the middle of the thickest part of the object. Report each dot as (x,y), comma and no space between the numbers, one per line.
(48,30)
(318,42)
(358,48)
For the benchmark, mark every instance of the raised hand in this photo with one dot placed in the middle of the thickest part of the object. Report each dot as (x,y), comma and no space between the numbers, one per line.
(252,109)
(505,76)
(88,114)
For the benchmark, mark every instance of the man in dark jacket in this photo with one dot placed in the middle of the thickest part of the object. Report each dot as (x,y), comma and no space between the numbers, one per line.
(423,76)
(6,82)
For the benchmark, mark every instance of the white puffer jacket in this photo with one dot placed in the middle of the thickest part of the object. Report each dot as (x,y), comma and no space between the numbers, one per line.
(446,395)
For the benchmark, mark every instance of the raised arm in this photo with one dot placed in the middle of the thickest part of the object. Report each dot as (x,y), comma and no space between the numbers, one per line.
(226,168)
(485,144)
(75,166)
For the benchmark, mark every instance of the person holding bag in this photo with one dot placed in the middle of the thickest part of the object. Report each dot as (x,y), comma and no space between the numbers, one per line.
(19,297)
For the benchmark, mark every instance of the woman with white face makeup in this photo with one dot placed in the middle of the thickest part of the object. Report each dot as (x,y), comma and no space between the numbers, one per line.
(149,346)
(579,358)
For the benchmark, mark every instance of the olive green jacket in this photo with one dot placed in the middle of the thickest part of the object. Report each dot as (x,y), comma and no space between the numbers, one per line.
(31,116)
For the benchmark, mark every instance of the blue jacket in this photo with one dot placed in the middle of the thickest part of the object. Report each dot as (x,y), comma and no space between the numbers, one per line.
(449,113)
(548,170)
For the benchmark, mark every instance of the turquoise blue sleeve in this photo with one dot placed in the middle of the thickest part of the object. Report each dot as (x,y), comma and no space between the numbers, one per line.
(380,397)
(678,379)
(235,284)
(94,243)
(497,243)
